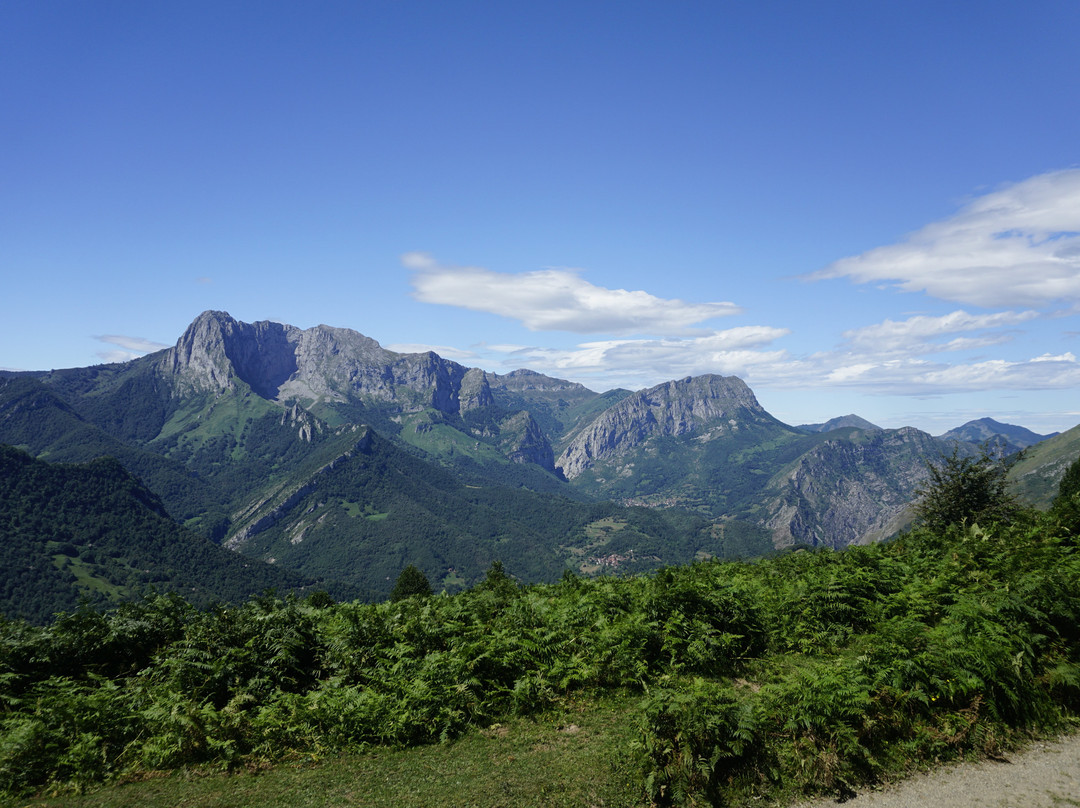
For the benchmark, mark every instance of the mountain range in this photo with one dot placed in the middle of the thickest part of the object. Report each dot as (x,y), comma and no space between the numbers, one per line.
(323,453)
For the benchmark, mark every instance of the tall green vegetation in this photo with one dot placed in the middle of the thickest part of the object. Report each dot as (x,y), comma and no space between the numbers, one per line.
(965,489)
(810,673)
(1066,507)
(409,583)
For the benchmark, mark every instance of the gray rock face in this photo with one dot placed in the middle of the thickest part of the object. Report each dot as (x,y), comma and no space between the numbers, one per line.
(474,392)
(673,408)
(215,350)
(849,491)
(282,362)
(523,441)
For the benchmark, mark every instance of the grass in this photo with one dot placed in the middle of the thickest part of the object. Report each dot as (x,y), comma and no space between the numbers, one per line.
(356,511)
(443,440)
(572,757)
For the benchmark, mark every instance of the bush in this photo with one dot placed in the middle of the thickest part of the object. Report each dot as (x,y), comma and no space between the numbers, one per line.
(692,740)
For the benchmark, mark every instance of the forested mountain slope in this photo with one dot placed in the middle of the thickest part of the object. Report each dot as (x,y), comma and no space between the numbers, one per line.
(92,532)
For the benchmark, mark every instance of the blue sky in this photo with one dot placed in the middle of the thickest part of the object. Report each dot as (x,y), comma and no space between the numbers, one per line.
(855,207)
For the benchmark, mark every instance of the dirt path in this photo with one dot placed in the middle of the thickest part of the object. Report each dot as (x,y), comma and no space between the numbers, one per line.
(1045,775)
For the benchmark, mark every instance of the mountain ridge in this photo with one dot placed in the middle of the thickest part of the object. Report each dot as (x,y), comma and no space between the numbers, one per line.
(246,431)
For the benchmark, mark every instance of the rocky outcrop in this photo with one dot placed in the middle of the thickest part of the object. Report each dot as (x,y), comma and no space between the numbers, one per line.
(523,441)
(283,363)
(265,513)
(673,408)
(849,491)
(474,392)
(305,424)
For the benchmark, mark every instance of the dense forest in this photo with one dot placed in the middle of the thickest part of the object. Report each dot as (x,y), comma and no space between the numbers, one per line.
(93,533)
(806,673)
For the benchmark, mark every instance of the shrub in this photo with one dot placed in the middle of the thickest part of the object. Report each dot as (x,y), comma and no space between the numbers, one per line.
(692,740)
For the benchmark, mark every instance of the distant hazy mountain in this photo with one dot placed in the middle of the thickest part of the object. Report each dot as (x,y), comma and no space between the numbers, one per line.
(840,422)
(1013,438)
(323,452)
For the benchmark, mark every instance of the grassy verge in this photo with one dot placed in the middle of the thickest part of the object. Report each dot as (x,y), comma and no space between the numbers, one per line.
(575,756)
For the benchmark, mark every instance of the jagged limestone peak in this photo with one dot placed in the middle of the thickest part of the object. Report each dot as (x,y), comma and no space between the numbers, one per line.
(672,408)
(475,391)
(216,349)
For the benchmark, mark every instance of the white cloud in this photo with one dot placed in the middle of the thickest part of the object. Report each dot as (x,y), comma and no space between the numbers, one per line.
(558,300)
(111,357)
(1018,246)
(749,353)
(134,347)
(648,340)
(912,376)
(445,351)
(917,335)
(1039,373)
(641,363)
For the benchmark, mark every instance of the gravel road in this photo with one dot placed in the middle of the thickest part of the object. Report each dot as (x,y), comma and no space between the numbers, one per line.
(1044,775)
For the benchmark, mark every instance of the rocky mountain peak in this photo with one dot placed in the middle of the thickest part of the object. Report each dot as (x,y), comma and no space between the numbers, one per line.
(673,408)
(216,349)
(284,363)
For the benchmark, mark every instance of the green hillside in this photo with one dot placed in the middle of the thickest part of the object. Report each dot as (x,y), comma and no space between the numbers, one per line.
(379,508)
(814,673)
(91,533)
(279,484)
(1037,474)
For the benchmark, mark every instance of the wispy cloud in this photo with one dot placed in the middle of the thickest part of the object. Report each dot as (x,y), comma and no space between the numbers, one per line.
(136,344)
(446,351)
(133,347)
(751,354)
(558,300)
(1017,246)
(923,334)
(917,377)
(639,363)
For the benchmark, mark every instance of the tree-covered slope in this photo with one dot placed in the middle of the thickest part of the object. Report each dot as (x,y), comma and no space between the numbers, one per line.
(93,532)
(1036,476)
(375,508)
(40,419)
